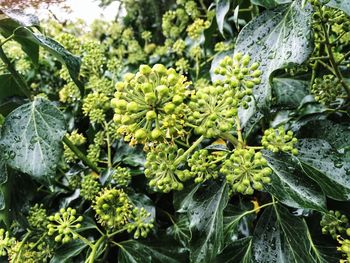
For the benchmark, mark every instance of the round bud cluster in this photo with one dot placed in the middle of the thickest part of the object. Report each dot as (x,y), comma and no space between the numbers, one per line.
(122,176)
(94,105)
(6,242)
(74,181)
(327,89)
(141,222)
(277,140)
(112,207)
(241,75)
(246,170)
(77,139)
(70,93)
(179,46)
(161,168)
(192,9)
(65,223)
(174,23)
(202,167)
(145,99)
(90,186)
(213,110)
(196,29)
(30,252)
(182,65)
(334,223)
(37,217)
(344,248)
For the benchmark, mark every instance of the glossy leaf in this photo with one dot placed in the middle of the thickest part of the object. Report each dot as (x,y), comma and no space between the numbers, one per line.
(280,237)
(31,138)
(326,166)
(290,186)
(66,252)
(343,5)
(270,3)
(205,213)
(20,17)
(289,92)
(132,251)
(240,251)
(276,39)
(181,231)
(222,8)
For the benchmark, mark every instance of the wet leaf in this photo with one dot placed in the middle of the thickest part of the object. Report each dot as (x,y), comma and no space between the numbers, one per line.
(341,5)
(239,251)
(31,138)
(270,3)
(222,8)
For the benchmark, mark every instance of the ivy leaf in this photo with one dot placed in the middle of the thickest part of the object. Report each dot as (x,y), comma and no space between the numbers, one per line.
(8,87)
(290,186)
(280,237)
(289,92)
(326,166)
(141,200)
(31,138)
(181,231)
(239,251)
(276,39)
(341,5)
(132,251)
(222,8)
(21,18)
(66,252)
(205,212)
(3,180)
(270,3)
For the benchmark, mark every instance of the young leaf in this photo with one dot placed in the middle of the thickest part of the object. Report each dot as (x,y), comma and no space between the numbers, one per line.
(66,252)
(280,237)
(31,138)
(326,166)
(290,186)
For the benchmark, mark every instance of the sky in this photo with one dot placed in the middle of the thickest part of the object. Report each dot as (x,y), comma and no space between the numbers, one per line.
(88,10)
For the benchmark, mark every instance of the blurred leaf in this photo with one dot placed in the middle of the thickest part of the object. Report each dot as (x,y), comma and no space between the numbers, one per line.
(330,169)
(270,3)
(31,138)
(160,251)
(289,92)
(8,87)
(222,8)
(20,17)
(343,5)
(291,186)
(239,251)
(280,237)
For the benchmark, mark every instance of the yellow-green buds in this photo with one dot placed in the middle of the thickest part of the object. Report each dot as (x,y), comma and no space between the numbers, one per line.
(64,224)
(196,29)
(161,168)
(145,101)
(334,223)
(277,140)
(90,186)
(246,170)
(6,242)
(122,176)
(37,217)
(141,222)
(112,207)
(327,89)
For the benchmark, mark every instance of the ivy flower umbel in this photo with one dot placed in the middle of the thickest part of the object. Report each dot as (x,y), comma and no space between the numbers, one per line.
(238,75)
(145,100)
(246,170)
(277,140)
(161,168)
(6,242)
(90,186)
(213,111)
(334,223)
(141,222)
(197,27)
(122,176)
(112,207)
(37,217)
(327,89)
(65,223)
(202,167)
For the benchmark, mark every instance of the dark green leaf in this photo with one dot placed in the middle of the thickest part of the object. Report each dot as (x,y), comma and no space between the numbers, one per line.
(222,8)
(326,166)
(280,237)
(8,87)
(290,186)
(31,138)
(289,92)
(183,199)
(343,5)
(276,39)
(133,251)
(181,231)
(205,211)
(270,3)
(66,252)
(240,251)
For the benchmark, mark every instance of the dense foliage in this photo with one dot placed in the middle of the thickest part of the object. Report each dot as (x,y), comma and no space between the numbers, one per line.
(185,131)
